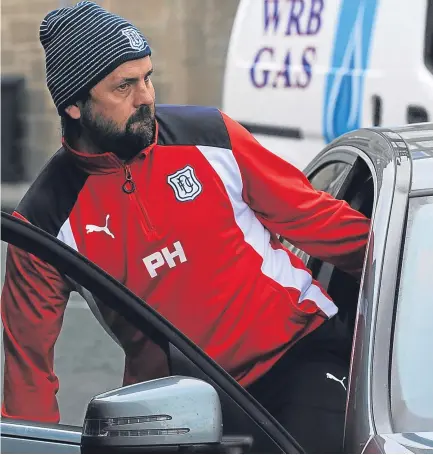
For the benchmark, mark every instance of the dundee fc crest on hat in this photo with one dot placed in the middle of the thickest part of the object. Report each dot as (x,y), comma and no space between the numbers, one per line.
(135,40)
(185,184)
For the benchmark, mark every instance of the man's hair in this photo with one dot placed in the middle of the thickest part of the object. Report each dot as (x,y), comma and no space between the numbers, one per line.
(71,128)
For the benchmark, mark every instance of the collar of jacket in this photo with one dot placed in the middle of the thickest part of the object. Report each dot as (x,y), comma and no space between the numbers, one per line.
(108,162)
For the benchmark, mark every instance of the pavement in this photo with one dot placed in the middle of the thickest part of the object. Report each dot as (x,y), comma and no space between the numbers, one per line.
(11,194)
(87,361)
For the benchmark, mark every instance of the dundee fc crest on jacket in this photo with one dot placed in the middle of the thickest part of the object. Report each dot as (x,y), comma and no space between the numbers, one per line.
(185,184)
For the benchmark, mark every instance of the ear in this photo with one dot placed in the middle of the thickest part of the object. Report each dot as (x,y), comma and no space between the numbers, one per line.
(73,111)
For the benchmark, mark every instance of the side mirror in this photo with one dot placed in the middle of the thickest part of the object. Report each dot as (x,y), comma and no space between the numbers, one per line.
(159,414)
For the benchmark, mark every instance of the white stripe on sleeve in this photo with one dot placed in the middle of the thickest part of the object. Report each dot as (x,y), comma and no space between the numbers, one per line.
(276,263)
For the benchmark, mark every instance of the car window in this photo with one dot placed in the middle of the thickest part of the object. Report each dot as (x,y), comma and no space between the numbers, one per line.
(89,360)
(356,187)
(88,357)
(412,358)
(428,45)
(329,178)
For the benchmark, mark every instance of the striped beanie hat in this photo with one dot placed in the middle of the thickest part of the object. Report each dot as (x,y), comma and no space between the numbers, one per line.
(83,44)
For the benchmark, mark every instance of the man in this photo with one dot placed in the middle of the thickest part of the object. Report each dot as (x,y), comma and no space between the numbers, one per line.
(132,180)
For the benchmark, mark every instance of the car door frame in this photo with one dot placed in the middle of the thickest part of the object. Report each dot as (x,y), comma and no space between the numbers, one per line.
(368,404)
(382,284)
(36,241)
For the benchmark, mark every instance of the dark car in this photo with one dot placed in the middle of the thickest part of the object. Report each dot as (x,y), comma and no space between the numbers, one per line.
(385,173)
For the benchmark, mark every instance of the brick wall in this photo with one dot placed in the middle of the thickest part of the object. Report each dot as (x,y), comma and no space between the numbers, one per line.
(189,40)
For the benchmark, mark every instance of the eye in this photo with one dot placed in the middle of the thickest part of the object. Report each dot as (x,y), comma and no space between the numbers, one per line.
(147,78)
(123,87)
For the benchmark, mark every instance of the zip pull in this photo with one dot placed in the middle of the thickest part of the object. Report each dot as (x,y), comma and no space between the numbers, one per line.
(129,186)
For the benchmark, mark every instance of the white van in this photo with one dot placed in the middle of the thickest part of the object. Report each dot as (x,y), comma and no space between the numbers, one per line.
(302,72)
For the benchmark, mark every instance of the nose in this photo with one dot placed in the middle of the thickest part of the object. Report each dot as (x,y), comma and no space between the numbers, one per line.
(143,95)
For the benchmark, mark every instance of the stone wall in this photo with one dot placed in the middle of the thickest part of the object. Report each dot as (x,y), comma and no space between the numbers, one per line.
(189,39)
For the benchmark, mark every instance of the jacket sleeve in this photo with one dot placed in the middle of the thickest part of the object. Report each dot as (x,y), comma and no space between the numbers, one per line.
(34,298)
(287,204)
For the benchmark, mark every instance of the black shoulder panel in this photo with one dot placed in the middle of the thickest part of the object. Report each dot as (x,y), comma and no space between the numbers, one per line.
(50,199)
(191,125)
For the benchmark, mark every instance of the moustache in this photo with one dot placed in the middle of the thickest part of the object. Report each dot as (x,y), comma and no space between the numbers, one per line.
(143,113)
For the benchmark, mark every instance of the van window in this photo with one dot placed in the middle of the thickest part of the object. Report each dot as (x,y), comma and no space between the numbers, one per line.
(428,47)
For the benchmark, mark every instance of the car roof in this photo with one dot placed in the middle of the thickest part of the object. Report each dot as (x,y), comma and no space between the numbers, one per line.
(419,142)
(409,148)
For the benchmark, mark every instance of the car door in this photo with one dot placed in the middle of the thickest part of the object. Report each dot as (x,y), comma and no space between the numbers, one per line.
(347,169)
(378,185)
(247,426)
(389,406)
(30,437)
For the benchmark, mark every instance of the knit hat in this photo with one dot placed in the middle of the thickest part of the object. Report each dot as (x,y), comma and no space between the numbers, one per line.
(83,44)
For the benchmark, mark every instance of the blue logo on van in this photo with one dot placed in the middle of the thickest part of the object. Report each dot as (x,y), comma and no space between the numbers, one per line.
(345,80)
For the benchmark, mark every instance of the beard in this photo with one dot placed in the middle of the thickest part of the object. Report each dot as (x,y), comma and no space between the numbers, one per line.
(105,134)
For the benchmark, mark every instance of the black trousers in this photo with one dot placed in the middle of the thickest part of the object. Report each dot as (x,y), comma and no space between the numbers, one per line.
(306,390)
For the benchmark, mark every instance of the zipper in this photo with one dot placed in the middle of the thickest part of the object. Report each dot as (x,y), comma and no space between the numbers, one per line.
(129,187)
